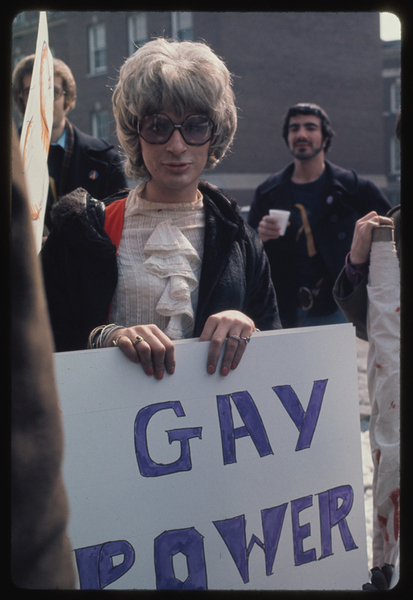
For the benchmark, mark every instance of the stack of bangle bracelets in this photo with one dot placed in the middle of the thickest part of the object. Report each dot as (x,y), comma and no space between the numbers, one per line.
(99,336)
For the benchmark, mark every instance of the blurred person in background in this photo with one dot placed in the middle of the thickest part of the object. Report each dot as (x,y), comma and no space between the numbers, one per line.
(75,159)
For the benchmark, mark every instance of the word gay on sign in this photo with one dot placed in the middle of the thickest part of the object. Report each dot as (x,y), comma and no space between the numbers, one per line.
(198,481)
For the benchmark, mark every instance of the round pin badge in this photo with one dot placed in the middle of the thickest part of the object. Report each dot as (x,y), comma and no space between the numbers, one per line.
(93,175)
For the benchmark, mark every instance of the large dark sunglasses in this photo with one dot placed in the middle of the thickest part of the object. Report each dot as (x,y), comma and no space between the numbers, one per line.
(196,130)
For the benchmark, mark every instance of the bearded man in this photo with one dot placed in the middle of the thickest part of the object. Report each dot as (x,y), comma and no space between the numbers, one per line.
(324,202)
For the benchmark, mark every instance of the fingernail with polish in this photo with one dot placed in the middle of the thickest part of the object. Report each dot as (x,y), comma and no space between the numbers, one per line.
(211,369)
(224,371)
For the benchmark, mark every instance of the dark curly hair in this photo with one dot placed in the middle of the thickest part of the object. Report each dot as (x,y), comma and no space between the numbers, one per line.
(305,108)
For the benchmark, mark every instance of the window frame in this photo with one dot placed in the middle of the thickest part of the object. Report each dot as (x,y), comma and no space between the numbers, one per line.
(180,27)
(395,161)
(135,42)
(395,96)
(96,126)
(95,48)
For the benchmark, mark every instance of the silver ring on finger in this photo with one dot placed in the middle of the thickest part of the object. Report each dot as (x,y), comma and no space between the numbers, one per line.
(138,340)
(235,337)
(246,339)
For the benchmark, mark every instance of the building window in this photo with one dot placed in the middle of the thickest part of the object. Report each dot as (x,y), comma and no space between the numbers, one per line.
(100,124)
(137,31)
(181,23)
(395,96)
(97,49)
(395,156)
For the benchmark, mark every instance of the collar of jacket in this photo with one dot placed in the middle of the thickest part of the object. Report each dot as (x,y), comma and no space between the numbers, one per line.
(223,223)
(341,179)
(223,226)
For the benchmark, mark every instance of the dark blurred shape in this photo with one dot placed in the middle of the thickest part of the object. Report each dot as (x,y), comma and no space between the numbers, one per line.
(41,554)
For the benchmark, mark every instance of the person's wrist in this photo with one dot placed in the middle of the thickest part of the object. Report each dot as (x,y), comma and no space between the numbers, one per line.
(357,260)
(355,272)
(99,337)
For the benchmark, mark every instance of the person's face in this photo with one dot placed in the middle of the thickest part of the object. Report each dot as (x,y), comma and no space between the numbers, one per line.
(59,104)
(305,138)
(174,166)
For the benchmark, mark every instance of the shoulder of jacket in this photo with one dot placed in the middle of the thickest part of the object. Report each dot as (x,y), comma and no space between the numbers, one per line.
(219,202)
(89,143)
(75,203)
(275,180)
(348,179)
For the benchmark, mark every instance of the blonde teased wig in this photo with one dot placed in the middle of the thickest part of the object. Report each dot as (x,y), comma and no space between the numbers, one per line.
(185,77)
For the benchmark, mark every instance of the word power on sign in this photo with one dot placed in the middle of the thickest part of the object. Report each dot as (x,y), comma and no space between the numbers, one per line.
(97,568)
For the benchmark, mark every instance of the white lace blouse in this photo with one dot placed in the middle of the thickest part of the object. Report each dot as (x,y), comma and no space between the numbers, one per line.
(159,265)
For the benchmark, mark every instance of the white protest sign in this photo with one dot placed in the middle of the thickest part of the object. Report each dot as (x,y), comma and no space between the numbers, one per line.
(197,481)
(37,129)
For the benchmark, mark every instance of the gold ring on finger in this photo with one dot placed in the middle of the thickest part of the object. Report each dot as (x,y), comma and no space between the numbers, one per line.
(138,340)
(116,342)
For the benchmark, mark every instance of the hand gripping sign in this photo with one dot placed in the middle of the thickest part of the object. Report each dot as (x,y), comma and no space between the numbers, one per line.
(250,481)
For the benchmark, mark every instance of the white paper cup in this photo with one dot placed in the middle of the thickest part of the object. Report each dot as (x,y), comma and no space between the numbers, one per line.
(282,217)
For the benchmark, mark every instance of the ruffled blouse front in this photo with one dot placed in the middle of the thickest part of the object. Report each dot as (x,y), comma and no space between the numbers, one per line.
(159,265)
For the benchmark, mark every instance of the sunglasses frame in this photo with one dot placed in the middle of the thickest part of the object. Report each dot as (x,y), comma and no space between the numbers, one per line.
(179,127)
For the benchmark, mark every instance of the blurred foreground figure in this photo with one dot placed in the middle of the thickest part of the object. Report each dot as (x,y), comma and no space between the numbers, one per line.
(374,308)
(383,370)
(368,292)
(41,555)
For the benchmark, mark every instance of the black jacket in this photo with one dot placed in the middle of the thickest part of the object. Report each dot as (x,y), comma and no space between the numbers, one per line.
(94,166)
(80,271)
(349,198)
